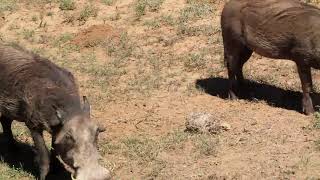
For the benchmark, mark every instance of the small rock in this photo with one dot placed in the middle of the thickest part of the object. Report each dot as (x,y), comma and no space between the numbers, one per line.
(205,123)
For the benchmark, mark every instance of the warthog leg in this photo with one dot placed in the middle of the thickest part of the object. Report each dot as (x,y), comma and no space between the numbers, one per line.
(43,153)
(6,126)
(235,56)
(306,83)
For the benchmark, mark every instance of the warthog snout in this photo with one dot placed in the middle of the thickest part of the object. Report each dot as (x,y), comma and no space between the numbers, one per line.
(76,147)
(92,173)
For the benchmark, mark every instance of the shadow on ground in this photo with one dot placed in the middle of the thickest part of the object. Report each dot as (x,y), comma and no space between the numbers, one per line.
(253,91)
(24,158)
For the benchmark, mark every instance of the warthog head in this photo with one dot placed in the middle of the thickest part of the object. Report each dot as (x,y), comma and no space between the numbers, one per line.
(76,147)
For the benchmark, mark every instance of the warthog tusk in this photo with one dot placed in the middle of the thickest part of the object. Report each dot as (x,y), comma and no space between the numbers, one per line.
(72,177)
(67,167)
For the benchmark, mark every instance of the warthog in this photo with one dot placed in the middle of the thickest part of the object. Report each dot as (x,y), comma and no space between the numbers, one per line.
(279,29)
(46,98)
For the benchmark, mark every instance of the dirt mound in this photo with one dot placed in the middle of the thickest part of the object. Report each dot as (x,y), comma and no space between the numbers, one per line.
(95,35)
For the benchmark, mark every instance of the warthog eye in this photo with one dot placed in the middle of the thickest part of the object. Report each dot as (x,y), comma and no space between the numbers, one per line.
(69,139)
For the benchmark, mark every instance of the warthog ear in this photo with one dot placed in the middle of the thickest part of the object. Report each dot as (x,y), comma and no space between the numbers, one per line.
(86,106)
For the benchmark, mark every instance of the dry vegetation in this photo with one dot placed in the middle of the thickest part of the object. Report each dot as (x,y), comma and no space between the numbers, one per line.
(146,65)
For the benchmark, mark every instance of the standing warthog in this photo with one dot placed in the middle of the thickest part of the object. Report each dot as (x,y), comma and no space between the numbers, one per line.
(279,29)
(46,98)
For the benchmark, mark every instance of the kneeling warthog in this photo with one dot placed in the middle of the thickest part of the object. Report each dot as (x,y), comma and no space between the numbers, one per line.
(279,29)
(46,98)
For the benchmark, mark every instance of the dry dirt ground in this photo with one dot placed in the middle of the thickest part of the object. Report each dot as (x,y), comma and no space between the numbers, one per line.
(145,66)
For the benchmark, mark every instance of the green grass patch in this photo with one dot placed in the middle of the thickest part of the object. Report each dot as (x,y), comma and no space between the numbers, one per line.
(62,39)
(28,34)
(108,2)
(195,10)
(163,20)
(143,149)
(88,11)
(195,61)
(142,6)
(8,5)
(67,5)
(316,121)
(13,173)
